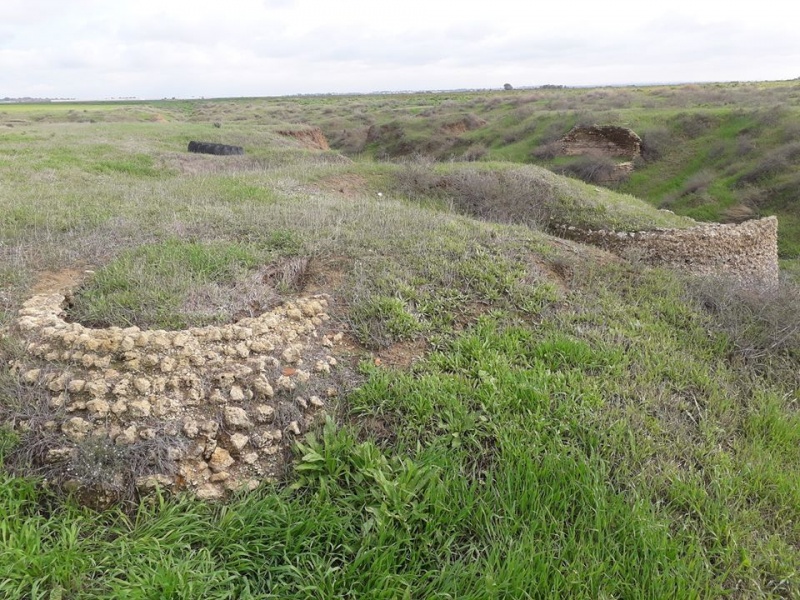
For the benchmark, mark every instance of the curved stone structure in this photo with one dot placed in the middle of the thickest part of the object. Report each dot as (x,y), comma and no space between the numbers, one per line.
(221,399)
(747,252)
(605,140)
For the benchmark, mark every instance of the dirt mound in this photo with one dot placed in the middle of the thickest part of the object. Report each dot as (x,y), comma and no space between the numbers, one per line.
(463,125)
(311,138)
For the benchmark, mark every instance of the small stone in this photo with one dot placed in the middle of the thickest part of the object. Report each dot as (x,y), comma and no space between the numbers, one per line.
(76,428)
(119,407)
(127,344)
(303,376)
(242,350)
(239,441)
(236,418)
(250,458)
(31,376)
(127,437)
(262,387)
(98,408)
(217,396)
(76,386)
(316,401)
(190,428)
(58,454)
(148,433)
(209,448)
(59,384)
(221,476)
(142,385)
(302,402)
(291,354)
(102,362)
(327,342)
(168,364)
(331,392)
(332,361)
(151,482)
(57,401)
(77,405)
(209,491)
(97,388)
(295,314)
(322,367)
(294,428)
(121,389)
(210,428)
(285,383)
(160,340)
(140,408)
(312,308)
(236,393)
(264,413)
(338,337)
(220,460)
(180,340)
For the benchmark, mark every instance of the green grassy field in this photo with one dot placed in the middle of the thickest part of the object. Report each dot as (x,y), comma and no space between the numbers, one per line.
(574,425)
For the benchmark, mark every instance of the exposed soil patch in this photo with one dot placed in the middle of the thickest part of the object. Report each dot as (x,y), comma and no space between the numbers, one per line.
(349,185)
(402,354)
(53,282)
(311,138)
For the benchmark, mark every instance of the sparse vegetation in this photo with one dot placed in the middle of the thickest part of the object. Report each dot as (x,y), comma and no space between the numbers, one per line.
(574,425)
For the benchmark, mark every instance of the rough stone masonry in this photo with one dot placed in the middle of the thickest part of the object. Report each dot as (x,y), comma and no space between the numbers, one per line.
(746,252)
(223,398)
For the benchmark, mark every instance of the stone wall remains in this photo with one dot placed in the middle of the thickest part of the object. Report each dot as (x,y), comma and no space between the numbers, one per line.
(605,140)
(221,401)
(747,252)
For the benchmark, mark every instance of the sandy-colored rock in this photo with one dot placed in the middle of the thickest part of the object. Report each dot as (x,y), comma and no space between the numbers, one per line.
(210,491)
(239,441)
(264,413)
(190,428)
(142,385)
(31,376)
(220,460)
(59,454)
(168,364)
(236,393)
(140,408)
(126,437)
(98,408)
(236,418)
(76,428)
(97,388)
(76,386)
(262,387)
(151,482)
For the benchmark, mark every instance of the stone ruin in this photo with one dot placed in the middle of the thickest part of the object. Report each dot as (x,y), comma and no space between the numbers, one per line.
(604,140)
(601,140)
(207,409)
(746,252)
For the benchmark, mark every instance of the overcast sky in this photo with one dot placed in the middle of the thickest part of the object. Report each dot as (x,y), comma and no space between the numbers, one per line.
(95,49)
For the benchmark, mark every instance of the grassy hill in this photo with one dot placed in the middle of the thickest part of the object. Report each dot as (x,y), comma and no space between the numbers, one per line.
(520,416)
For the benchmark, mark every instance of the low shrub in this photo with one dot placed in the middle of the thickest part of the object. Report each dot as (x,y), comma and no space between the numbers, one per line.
(591,169)
(759,320)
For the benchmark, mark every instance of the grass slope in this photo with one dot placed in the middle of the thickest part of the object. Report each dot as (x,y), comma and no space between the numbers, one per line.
(581,427)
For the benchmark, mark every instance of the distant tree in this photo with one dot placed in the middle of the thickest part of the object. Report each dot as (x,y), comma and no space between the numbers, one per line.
(508,86)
